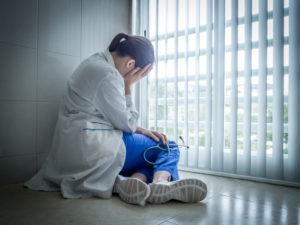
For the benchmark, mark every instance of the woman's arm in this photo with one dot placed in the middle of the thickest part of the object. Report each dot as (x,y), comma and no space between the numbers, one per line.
(117,108)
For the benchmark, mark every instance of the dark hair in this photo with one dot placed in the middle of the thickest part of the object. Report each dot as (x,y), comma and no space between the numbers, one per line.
(137,47)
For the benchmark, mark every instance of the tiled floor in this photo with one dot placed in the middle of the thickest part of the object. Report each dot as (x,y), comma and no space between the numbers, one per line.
(229,201)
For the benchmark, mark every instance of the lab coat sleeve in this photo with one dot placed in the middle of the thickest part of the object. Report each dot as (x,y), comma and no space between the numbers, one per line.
(118,109)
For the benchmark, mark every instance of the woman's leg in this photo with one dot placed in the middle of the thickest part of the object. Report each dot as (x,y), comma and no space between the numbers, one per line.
(135,163)
(186,190)
(164,170)
(132,187)
(139,176)
(161,176)
(167,171)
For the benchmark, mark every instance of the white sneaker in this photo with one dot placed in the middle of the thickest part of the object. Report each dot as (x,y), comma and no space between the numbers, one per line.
(131,190)
(186,190)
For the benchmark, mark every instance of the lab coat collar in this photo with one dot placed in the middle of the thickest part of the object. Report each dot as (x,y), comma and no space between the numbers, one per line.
(109,58)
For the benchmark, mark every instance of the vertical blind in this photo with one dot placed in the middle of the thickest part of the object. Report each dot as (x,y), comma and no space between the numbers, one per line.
(227,80)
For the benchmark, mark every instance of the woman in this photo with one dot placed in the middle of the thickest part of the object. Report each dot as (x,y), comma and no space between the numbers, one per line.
(98,148)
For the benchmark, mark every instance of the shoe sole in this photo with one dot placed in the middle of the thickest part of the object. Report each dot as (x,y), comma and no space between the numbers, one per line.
(187,190)
(132,190)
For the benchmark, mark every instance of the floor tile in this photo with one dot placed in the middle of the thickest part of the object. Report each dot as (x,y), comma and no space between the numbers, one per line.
(229,202)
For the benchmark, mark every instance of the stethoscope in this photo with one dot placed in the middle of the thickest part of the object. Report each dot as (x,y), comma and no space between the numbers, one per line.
(163,147)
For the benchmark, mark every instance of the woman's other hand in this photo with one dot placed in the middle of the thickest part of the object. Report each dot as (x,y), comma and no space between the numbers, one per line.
(156,136)
(135,75)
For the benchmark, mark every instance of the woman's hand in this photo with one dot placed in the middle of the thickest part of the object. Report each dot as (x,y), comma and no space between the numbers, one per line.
(135,75)
(156,136)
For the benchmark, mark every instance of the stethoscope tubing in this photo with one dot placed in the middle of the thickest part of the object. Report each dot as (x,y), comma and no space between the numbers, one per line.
(161,147)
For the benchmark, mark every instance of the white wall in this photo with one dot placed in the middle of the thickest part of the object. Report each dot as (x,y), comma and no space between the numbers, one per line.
(41,43)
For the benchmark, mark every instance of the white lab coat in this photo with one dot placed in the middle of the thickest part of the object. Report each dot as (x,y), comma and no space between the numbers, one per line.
(87,151)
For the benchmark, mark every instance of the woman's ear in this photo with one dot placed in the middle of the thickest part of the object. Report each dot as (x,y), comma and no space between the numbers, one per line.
(130,64)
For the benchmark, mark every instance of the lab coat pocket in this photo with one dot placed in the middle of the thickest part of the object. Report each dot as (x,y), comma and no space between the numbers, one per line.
(99,143)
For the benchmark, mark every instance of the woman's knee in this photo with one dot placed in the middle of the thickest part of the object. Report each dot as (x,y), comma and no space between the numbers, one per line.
(174,149)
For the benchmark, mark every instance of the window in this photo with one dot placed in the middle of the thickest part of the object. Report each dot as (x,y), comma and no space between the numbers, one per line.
(221,81)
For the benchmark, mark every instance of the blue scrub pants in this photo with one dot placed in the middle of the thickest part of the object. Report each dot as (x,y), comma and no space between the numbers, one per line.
(135,162)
